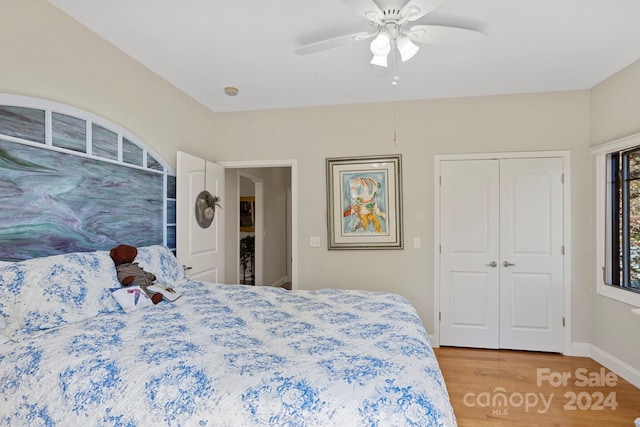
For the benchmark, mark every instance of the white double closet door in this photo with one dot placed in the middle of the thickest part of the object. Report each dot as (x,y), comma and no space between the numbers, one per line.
(501,255)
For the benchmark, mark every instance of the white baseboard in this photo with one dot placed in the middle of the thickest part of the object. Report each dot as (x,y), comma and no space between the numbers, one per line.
(616,365)
(580,349)
(432,340)
(278,282)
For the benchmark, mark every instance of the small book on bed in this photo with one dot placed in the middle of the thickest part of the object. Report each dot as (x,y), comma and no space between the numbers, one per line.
(167,292)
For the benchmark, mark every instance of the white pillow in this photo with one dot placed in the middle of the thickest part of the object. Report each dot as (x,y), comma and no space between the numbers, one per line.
(43,293)
(161,262)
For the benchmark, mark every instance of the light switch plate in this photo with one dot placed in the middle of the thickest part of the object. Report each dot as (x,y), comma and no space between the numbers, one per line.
(314,242)
(417,243)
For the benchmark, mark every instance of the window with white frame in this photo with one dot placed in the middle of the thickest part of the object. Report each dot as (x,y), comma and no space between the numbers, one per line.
(83,152)
(618,219)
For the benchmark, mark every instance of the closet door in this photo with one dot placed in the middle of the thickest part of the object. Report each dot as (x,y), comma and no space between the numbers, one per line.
(469,285)
(501,261)
(531,239)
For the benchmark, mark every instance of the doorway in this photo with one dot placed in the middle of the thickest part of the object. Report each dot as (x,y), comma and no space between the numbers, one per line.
(251,226)
(274,186)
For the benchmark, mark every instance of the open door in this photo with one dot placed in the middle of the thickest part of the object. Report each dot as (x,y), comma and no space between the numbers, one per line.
(200,238)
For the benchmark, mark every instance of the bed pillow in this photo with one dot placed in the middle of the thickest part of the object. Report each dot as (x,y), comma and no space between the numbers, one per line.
(159,260)
(131,298)
(44,293)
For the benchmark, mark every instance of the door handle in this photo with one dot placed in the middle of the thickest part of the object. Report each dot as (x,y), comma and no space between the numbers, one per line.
(492,264)
(185,268)
(507,264)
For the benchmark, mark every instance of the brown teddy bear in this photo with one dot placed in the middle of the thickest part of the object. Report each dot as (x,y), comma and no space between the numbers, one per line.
(129,273)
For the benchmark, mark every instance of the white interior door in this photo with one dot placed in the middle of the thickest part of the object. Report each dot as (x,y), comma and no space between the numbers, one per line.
(531,244)
(200,250)
(469,288)
(501,260)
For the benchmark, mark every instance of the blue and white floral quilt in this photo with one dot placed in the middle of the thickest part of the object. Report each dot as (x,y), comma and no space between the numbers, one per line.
(221,355)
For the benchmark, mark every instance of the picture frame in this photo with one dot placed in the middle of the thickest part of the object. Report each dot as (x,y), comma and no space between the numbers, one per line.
(364,202)
(247,214)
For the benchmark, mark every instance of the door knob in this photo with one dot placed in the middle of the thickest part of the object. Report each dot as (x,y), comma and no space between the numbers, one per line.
(492,264)
(507,264)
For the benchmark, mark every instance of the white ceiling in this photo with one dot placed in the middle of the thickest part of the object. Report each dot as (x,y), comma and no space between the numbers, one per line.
(201,46)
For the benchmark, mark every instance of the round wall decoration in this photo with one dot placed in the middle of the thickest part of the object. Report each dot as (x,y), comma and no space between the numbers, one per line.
(206,208)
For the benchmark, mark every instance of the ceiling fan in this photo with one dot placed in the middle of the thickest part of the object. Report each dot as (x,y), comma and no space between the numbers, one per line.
(396,25)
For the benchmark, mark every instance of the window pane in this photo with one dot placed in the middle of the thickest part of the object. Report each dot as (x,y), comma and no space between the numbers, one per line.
(614,230)
(104,142)
(131,153)
(634,234)
(69,132)
(171,236)
(171,211)
(153,163)
(171,187)
(634,164)
(21,122)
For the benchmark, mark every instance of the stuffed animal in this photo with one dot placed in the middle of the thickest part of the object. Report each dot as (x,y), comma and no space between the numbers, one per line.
(130,273)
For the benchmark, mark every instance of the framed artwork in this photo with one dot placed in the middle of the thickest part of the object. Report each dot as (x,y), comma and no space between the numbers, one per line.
(247,214)
(364,202)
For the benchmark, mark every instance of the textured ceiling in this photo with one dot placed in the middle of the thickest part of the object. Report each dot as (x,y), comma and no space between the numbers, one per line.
(201,46)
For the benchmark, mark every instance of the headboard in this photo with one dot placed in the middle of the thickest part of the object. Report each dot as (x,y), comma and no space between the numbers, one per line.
(72,182)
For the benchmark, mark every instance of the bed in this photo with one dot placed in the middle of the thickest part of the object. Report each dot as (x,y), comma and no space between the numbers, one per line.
(220,355)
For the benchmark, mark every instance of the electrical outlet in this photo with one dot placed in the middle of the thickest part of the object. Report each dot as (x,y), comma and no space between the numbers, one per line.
(314,242)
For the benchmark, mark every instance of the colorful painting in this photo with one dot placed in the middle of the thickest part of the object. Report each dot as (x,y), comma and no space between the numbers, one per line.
(365,202)
(55,202)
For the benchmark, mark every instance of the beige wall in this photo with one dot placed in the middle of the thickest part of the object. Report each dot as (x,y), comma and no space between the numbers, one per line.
(615,113)
(46,54)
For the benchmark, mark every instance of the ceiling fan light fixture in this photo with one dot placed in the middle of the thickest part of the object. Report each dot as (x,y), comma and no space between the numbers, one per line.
(379,60)
(407,48)
(381,45)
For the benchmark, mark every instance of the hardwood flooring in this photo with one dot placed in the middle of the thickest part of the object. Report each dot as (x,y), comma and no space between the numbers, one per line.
(518,388)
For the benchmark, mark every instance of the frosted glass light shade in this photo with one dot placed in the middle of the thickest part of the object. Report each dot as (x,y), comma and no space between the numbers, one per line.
(381,44)
(407,48)
(380,60)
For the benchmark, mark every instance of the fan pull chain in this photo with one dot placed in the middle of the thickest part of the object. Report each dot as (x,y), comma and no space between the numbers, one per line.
(396,78)
(395,141)
(205,175)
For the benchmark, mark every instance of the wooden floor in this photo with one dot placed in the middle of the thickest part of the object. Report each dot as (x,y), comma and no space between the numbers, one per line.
(517,388)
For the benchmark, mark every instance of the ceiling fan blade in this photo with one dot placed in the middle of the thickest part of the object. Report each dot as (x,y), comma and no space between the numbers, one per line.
(333,42)
(369,9)
(442,34)
(416,9)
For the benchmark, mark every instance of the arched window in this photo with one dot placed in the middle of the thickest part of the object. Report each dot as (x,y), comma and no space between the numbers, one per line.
(72,181)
